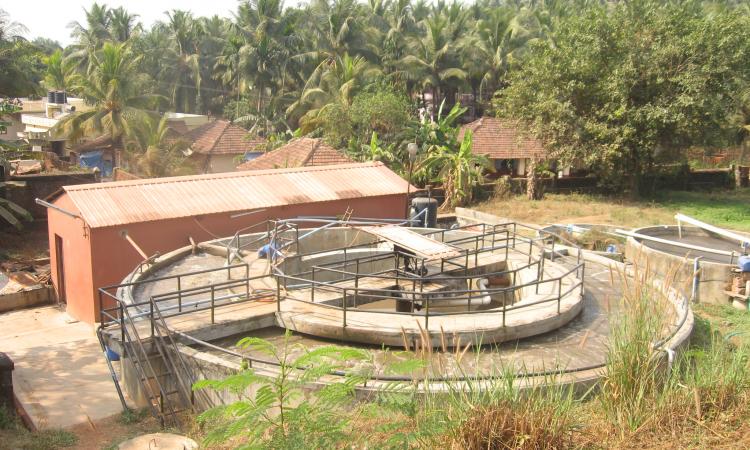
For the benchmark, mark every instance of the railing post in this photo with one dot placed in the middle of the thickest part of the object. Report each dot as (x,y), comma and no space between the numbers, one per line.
(278,294)
(151,315)
(212,304)
(513,292)
(505,304)
(122,322)
(312,291)
(559,293)
(469,308)
(531,244)
(356,282)
(515,233)
(426,314)
(344,302)
(179,294)
(247,281)
(476,250)
(552,256)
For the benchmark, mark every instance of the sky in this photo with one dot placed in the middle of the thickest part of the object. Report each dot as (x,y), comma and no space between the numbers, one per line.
(50,18)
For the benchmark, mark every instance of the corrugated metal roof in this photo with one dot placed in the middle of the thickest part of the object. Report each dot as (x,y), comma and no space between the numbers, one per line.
(422,246)
(123,202)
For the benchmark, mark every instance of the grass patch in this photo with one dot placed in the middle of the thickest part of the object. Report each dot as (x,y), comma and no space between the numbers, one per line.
(722,208)
(13,435)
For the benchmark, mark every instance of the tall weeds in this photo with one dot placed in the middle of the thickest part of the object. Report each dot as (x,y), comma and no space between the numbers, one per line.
(633,374)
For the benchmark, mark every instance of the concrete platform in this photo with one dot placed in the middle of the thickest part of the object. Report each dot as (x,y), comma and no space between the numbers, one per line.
(60,378)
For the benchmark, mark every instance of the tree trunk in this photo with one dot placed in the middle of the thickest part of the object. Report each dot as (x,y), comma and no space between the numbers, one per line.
(532,182)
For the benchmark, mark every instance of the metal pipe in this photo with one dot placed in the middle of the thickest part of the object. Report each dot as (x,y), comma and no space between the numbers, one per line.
(743,240)
(696,278)
(41,202)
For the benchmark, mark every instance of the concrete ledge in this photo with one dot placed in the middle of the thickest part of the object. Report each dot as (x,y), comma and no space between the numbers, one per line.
(26,299)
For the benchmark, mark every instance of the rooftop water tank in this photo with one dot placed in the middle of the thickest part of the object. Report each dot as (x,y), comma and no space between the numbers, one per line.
(50,96)
(427,218)
(60,97)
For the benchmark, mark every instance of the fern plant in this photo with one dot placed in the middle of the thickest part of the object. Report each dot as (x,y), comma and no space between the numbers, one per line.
(277,411)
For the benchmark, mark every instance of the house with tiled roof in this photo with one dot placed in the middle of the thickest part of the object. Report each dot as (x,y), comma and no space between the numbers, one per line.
(502,142)
(299,152)
(215,146)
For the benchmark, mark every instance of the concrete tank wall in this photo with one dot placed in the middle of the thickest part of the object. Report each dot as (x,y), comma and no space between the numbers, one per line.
(712,277)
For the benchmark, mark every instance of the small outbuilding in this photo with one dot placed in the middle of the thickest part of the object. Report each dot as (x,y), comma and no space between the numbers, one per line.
(99,233)
(299,152)
(216,145)
(501,142)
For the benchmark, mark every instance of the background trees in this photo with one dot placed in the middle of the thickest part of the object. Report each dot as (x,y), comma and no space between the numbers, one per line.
(625,87)
(621,86)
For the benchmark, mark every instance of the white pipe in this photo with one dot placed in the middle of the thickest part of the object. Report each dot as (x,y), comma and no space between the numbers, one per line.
(743,240)
(485,299)
(696,277)
(674,243)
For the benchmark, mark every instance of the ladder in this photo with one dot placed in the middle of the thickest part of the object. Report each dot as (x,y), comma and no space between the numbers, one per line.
(167,392)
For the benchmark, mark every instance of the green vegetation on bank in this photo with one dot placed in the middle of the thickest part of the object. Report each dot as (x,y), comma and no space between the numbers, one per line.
(696,400)
(721,208)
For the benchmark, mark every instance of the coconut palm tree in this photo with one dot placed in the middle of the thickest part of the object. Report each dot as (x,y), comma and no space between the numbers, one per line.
(122,25)
(331,86)
(89,37)
(151,149)
(180,61)
(59,71)
(113,88)
(433,61)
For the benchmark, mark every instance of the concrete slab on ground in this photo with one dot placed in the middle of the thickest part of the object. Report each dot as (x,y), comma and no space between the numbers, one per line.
(60,377)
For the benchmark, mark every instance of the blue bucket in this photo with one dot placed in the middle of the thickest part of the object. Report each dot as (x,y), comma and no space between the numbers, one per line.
(611,248)
(744,263)
(111,354)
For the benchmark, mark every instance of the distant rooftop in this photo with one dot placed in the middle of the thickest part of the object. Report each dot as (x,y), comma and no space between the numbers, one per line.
(500,139)
(297,153)
(221,137)
(123,202)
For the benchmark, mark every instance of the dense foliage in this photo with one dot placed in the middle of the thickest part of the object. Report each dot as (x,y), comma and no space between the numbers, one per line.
(618,86)
(627,87)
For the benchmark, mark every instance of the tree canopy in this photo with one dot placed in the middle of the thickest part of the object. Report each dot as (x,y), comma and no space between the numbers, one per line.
(633,84)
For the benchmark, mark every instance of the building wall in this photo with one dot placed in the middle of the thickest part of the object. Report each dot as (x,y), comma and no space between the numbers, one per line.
(111,257)
(14,127)
(76,259)
(222,163)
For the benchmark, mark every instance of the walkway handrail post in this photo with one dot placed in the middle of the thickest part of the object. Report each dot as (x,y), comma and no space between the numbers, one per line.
(212,303)
(356,283)
(426,314)
(559,293)
(179,294)
(278,293)
(344,303)
(312,286)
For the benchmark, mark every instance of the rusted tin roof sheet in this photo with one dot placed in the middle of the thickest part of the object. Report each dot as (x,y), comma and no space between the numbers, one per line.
(422,246)
(123,202)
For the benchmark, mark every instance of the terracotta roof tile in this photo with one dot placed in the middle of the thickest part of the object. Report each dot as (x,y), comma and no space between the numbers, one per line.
(297,153)
(500,139)
(222,137)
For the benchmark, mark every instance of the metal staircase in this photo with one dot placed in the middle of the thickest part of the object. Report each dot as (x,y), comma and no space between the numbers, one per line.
(158,365)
